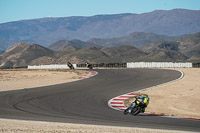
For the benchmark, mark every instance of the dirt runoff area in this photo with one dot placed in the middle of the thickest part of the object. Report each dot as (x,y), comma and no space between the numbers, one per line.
(176,98)
(24,78)
(180,98)
(16,126)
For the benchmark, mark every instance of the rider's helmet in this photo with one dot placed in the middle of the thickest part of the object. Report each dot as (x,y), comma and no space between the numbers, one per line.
(145,95)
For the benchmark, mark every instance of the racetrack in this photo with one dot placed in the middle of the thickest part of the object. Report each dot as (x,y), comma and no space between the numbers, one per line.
(85,101)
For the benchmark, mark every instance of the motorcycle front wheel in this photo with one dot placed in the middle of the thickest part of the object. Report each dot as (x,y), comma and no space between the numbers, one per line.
(135,110)
(126,111)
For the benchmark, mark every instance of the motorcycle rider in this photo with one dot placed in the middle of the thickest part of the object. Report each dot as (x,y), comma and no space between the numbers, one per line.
(70,65)
(144,101)
(88,65)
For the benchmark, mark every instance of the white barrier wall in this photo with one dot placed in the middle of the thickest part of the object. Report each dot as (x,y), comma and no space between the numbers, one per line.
(53,66)
(129,65)
(158,65)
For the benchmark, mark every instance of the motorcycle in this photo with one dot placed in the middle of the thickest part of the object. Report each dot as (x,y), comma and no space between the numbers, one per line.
(134,108)
(89,65)
(70,65)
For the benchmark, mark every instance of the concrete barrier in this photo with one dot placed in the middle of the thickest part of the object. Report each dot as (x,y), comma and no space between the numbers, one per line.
(159,65)
(53,66)
(128,65)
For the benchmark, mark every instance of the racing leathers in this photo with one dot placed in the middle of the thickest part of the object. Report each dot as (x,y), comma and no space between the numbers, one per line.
(144,102)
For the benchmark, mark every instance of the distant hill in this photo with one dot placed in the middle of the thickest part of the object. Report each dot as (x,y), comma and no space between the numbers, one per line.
(183,49)
(123,53)
(166,56)
(189,46)
(90,54)
(161,45)
(23,54)
(60,45)
(45,31)
(136,39)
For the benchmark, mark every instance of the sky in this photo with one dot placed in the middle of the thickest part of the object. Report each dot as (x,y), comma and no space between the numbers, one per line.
(14,10)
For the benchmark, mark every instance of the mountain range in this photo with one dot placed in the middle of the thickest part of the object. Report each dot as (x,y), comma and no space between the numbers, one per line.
(45,31)
(136,39)
(186,48)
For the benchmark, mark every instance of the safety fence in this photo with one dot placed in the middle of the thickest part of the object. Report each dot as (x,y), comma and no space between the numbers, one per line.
(100,65)
(159,65)
(122,65)
(53,66)
(105,65)
(196,65)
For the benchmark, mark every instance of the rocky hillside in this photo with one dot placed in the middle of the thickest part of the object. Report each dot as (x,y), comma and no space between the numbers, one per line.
(45,31)
(162,45)
(188,46)
(136,39)
(123,53)
(166,56)
(25,54)
(62,44)
(22,54)
(183,49)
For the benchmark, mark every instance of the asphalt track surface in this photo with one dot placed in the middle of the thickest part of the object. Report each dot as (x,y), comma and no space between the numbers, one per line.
(86,101)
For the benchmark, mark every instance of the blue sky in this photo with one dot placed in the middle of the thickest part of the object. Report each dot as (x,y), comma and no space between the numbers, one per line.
(13,10)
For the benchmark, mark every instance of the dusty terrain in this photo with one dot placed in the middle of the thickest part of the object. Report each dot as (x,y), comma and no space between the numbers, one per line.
(22,78)
(173,99)
(179,98)
(15,126)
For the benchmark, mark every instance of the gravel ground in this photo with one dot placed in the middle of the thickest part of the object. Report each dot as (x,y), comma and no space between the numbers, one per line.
(179,98)
(16,126)
(22,78)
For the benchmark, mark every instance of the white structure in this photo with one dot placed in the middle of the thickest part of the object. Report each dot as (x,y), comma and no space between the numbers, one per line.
(129,65)
(158,65)
(53,66)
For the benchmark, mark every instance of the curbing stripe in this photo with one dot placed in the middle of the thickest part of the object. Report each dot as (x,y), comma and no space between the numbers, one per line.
(91,74)
(118,106)
(116,103)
